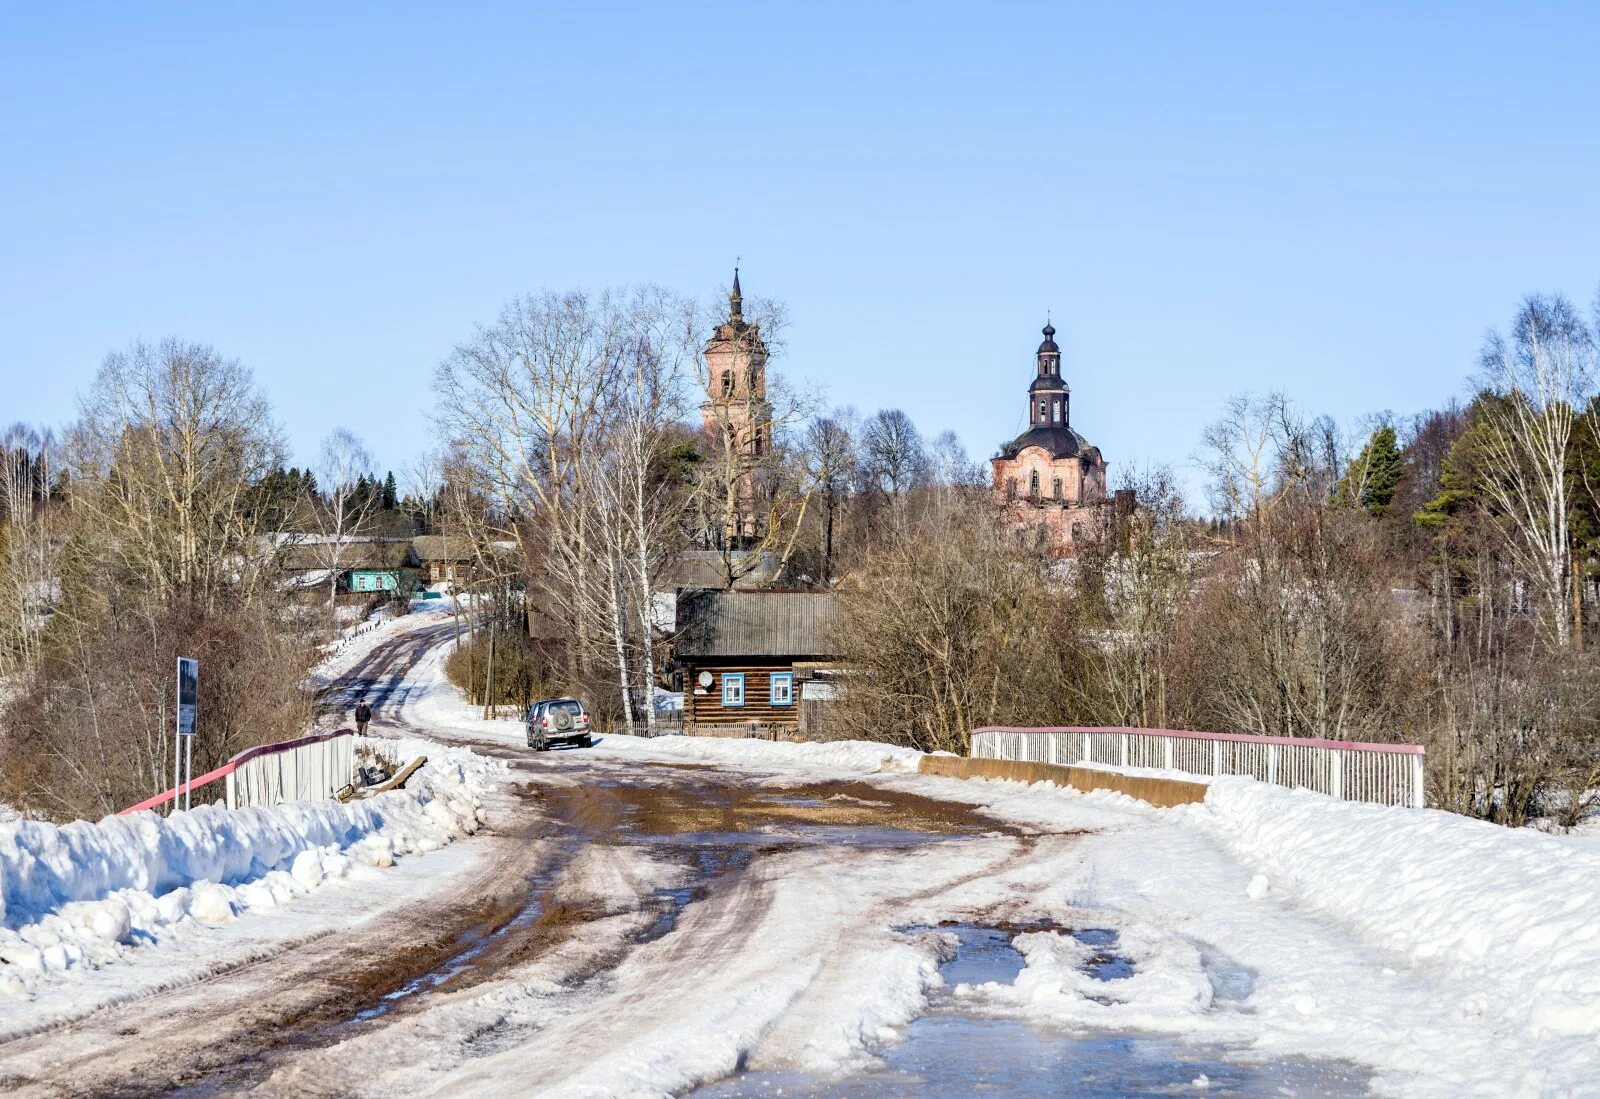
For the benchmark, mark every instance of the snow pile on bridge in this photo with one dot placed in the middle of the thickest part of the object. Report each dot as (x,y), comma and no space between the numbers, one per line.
(1510,909)
(84,894)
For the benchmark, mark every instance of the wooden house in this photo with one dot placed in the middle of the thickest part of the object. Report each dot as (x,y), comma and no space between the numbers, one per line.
(747,658)
(379,567)
(365,566)
(441,558)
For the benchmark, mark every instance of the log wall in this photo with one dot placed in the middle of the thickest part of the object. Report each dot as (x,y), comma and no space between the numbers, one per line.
(706,711)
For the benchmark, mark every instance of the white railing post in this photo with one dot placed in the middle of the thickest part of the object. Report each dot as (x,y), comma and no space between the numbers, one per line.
(1216,758)
(1272,763)
(1122,741)
(1167,741)
(1336,773)
(1416,782)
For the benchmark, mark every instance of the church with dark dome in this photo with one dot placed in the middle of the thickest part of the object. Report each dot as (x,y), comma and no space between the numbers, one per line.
(1051,480)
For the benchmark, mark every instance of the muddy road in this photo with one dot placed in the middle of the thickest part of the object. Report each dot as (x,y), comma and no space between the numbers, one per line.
(586,840)
(633,925)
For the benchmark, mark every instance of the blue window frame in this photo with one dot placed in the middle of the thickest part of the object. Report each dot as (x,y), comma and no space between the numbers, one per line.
(783,688)
(733,688)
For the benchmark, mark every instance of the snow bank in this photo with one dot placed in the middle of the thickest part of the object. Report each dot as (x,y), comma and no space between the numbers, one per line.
(83,894)
(1511,909)
(864,756)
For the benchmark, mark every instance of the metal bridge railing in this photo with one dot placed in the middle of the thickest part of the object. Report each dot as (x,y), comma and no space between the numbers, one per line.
(1386,774)
(307,769)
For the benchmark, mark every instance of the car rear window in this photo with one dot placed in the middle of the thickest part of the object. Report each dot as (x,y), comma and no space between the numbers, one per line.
(573,708)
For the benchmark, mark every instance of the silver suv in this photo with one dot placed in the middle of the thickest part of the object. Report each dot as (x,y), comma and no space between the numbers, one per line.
(558,721)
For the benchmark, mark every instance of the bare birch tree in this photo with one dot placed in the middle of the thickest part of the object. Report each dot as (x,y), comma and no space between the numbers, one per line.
(171,439)
(563,411)
(1148,576)
(1543,372)
(347,505)
(30,543)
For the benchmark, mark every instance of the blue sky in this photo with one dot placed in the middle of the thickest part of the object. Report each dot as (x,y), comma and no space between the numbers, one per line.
(1209,198)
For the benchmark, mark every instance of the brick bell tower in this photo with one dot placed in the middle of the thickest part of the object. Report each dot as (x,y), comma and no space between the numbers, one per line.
(736,417)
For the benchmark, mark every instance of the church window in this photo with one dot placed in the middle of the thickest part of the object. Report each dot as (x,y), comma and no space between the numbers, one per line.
(1033,483)
(727,383)
(1011,488)
(1055,411)
(1041,412)
(1055,488)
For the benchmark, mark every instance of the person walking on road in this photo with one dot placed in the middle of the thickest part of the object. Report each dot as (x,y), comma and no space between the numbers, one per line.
(363,715)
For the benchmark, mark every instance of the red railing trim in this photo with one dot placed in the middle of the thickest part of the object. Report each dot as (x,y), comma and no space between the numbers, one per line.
(231,766)
(284,745)
(1239,738)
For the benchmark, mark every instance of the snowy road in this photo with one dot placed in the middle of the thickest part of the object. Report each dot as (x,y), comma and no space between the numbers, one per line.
(732,918)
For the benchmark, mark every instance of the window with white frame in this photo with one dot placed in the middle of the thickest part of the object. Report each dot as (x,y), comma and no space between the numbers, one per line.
(733,689)
(783,688)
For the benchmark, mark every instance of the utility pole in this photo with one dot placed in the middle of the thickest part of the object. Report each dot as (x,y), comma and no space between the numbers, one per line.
(488,672)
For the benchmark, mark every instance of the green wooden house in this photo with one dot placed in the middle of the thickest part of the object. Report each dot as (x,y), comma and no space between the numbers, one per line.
(381,567)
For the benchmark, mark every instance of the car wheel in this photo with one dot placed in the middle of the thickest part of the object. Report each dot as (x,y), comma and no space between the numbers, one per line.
(540,744)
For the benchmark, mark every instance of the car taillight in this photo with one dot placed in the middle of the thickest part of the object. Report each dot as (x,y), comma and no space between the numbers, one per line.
(546,724)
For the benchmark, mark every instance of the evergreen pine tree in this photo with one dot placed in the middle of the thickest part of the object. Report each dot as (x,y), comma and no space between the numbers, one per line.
(391,493)
(1371,480)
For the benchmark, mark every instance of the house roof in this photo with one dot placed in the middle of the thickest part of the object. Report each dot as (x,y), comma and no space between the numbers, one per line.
(356,555)
(704,569)
(755,623)
(441,547)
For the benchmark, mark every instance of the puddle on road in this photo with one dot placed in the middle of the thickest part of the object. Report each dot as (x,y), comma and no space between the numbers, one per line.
(714,828)
(474,947)
(960,1055)
(710,863)
(949,1053)
(985,954)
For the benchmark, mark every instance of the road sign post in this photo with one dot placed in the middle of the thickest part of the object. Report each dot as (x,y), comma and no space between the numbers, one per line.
(183,741)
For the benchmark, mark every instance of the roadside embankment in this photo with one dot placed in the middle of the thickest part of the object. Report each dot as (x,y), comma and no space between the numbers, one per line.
(1161,792)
